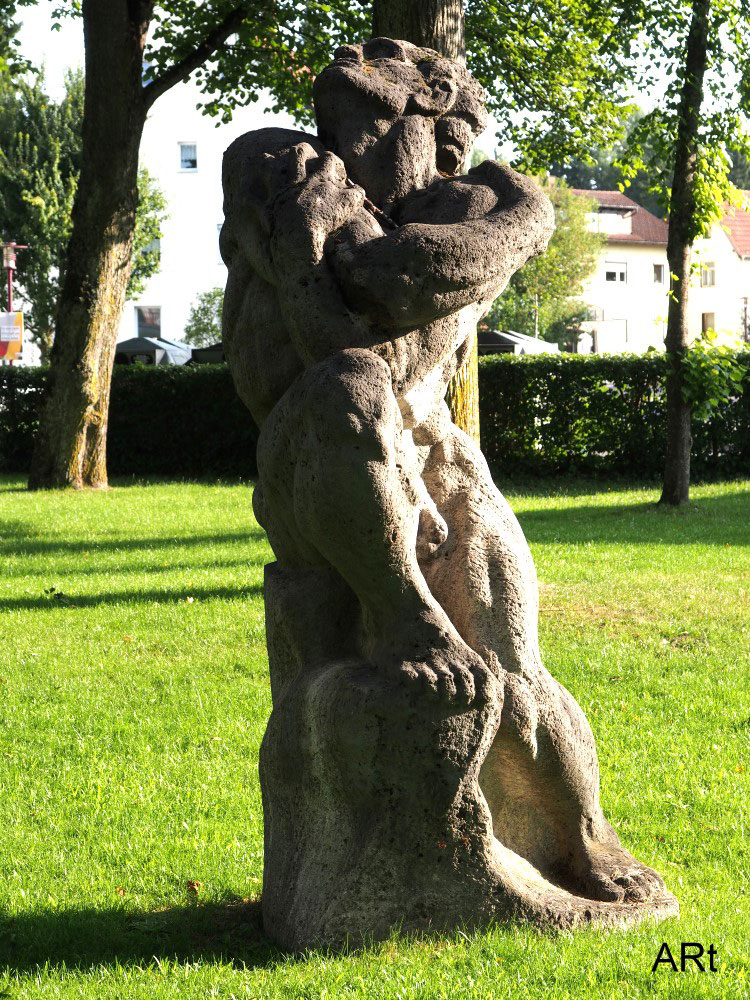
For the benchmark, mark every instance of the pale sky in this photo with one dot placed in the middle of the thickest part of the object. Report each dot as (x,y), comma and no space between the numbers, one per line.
(58,50)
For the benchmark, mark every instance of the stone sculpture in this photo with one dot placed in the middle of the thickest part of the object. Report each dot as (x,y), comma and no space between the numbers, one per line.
(421,769)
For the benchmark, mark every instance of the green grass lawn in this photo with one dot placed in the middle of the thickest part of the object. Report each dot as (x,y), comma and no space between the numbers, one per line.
(134,695)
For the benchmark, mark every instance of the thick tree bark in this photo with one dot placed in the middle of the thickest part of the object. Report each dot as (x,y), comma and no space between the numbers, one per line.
(676,485)
(70,447)
(436,24)
(463,394)
(439,25)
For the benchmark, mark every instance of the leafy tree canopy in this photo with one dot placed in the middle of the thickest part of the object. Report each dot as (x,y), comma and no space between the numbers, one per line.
(552,68)
(739,173)
(203,327)
(541,298)
(601,170)
(40,160)
(11,61)
(725,102)
(558,74)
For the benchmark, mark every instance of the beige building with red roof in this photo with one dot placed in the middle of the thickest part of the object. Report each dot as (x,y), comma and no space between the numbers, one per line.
(627,294)
(720,292)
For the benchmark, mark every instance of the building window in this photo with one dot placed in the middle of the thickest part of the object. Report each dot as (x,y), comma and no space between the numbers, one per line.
(153,249)
(615,271)
(148,321)
(188,156)
(658,274)
(594,314)
(708,321)
(708,275)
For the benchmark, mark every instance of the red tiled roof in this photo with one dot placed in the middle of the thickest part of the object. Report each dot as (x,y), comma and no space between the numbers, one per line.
(646,227)
(736,222)
(608,199)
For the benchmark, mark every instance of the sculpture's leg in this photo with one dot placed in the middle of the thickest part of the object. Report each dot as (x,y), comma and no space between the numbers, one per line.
(375,811)
(541,776)
(336,492)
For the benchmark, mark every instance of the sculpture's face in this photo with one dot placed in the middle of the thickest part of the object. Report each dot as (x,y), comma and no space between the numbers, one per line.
(398,116)
(455,133)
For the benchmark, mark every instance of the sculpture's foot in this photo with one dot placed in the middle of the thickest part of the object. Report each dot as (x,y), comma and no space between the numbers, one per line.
(547,904)
(606,871)
(425,655)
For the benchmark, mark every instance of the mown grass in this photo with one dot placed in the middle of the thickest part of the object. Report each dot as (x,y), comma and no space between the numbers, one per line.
(133,697)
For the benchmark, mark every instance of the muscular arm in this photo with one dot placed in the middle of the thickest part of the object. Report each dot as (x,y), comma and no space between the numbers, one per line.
(341,280)
(283,196)
(303,217)
(485,227)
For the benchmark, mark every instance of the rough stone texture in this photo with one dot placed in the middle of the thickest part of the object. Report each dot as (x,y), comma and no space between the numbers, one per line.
(420,768)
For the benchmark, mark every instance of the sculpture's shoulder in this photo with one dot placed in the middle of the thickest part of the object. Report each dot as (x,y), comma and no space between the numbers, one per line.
(255,168)
(258,163)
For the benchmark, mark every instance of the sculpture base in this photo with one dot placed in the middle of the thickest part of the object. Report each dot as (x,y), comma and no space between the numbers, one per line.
(374,815)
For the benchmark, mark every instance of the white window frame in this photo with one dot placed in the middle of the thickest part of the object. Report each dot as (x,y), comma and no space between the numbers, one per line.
(708,274)
(135,315)
(188,170)
(620,270)
(660,271)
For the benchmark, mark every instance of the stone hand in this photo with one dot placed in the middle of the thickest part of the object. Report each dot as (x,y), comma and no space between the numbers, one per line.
(320,201)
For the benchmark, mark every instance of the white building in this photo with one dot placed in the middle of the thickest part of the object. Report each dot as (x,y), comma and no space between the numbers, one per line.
(182,149)
(627,295)
(721,286)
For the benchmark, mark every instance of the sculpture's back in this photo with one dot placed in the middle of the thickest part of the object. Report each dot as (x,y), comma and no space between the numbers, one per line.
(420,769)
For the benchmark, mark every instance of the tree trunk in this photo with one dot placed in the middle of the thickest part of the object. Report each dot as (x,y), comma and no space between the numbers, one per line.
(439,25)
(463,394)
(676,485)
(436,24)
(70,447)
(44,341)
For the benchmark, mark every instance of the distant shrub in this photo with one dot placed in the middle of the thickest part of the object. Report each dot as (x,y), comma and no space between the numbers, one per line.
(166,420)
(548,413)
(20,392)
(175,420)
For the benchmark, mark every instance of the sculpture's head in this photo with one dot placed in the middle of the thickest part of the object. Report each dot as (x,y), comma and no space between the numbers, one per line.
(399,116)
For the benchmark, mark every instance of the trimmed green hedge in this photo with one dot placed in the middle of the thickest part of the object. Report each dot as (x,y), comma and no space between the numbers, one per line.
(550,413)
(541,415)
(165,420)
(20,389)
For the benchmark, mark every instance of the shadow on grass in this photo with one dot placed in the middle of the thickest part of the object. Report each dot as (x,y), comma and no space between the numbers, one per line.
(21,538)
(75,569)
(16,482)
(721,520)
(60,600)
(82,938)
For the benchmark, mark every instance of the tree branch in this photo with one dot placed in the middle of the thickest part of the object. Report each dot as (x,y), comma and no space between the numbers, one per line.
(203,51)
